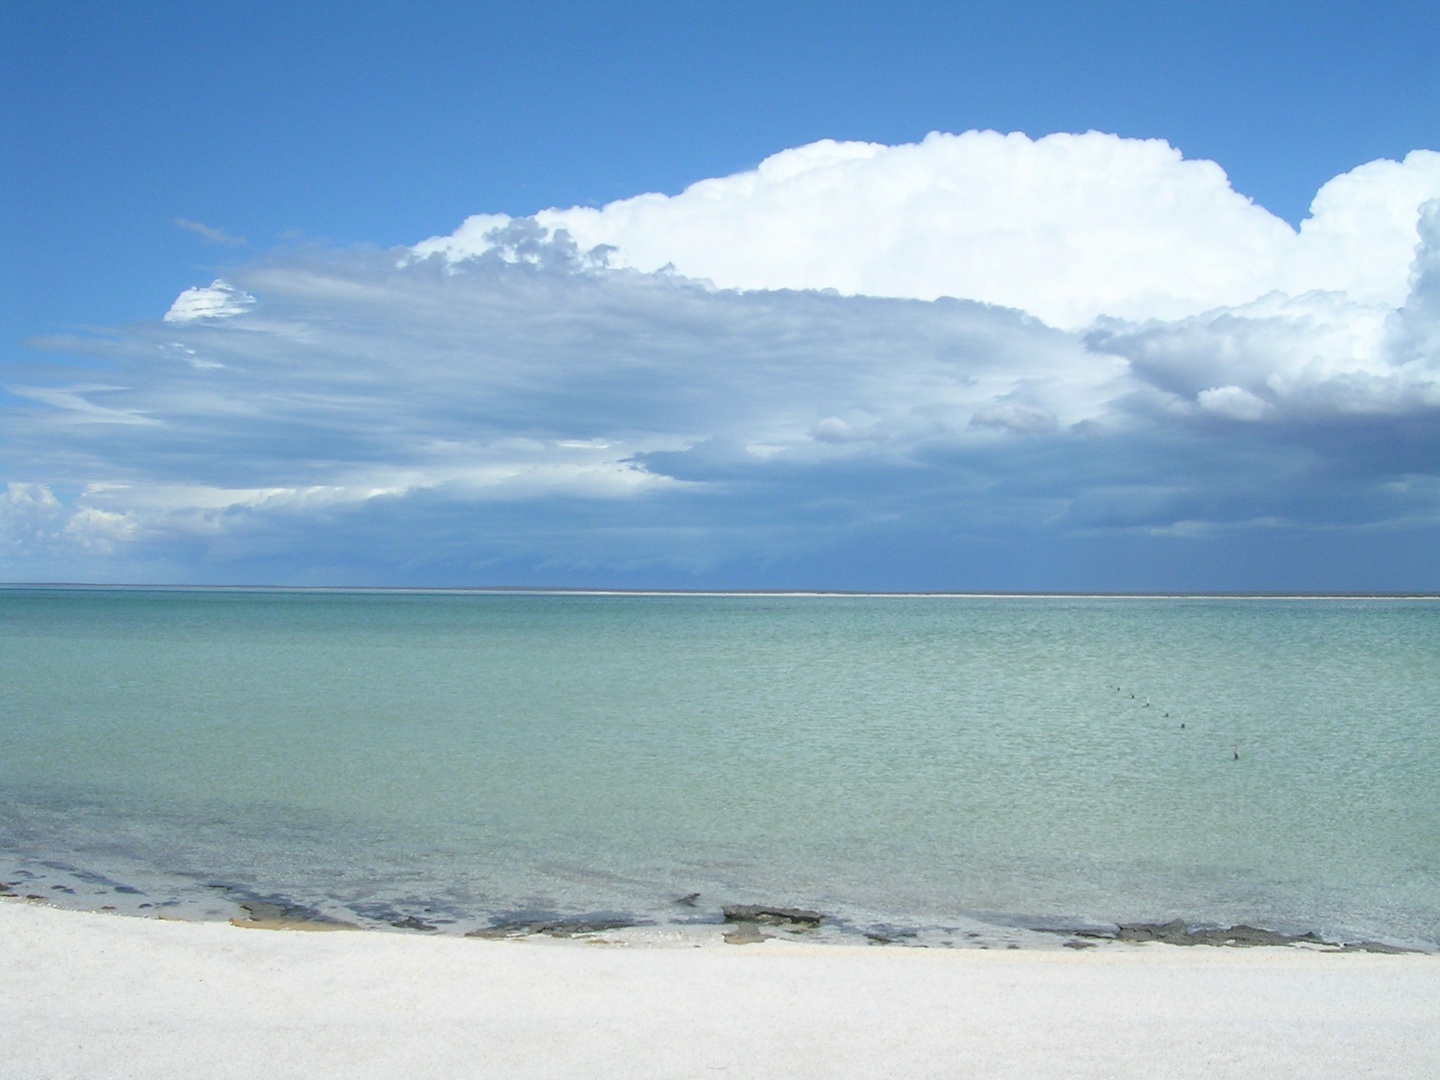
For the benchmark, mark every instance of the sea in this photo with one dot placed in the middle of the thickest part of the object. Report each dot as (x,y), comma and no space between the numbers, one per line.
(922,769)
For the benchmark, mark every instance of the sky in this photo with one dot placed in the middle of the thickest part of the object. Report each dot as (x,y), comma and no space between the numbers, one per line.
(915,297)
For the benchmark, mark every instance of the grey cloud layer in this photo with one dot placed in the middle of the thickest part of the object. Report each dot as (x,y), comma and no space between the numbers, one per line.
(529,416)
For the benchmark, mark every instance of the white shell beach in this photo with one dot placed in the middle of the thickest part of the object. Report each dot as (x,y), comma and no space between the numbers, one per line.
(99,995)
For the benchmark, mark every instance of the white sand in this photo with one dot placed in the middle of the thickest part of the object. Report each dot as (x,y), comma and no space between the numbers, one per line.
(91,995)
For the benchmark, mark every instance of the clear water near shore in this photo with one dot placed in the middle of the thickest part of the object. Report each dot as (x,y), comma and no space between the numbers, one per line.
(950,766)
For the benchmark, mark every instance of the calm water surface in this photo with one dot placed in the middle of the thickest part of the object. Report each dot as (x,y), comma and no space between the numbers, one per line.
(949,765)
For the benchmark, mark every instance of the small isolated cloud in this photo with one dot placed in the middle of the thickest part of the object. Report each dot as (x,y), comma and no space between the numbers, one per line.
(209,235)
(521,403)
(218,300)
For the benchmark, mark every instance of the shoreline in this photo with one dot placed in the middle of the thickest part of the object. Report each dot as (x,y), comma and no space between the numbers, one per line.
(744,923)
(110,995)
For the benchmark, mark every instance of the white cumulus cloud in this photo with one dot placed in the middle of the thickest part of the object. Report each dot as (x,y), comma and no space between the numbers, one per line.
(1066,227)
(218,300)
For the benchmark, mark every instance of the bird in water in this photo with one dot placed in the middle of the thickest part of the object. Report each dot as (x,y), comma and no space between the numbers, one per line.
(1235,754)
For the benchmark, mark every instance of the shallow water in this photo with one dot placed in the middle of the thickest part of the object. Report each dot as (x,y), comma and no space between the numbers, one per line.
(944,765)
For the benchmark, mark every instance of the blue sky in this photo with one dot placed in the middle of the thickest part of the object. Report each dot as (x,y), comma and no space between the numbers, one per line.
(355,406)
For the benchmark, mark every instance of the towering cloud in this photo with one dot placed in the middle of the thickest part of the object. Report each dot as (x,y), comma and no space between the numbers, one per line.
(1067,227)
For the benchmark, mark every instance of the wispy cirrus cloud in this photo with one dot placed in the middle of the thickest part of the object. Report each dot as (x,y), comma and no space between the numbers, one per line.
(210,235)
(526,408)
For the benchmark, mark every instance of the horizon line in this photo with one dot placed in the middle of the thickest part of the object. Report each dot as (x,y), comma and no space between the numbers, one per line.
(555,590)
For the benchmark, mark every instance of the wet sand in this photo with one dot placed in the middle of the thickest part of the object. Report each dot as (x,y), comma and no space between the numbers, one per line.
(96,995)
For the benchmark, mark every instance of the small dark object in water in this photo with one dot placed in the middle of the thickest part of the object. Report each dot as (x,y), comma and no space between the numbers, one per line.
(688,899)
(1235,754)
(410,922)
(1182,723)
(772,916)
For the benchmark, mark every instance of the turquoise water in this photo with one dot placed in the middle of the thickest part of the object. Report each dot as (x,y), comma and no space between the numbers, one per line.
(948,765)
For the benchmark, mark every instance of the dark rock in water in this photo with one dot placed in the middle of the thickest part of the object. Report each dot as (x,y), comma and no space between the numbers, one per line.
(570,927)
(746,933)
(1172,933)
(495,932)
(1374,946)
(1251,935)
(1240,936)
(771,916)
(1176,933)
(551,928)
(688,900)
(410,922)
